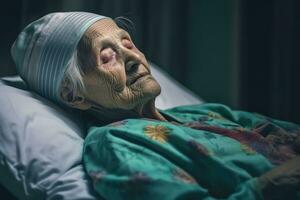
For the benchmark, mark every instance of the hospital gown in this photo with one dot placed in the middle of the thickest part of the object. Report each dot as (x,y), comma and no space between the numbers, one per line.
(205,151)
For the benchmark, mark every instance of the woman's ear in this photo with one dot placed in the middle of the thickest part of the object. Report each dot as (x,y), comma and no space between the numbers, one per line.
(72,98)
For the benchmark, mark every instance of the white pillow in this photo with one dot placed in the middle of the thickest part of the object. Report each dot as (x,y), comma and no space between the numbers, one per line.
(41,144)
(40,148)
(172,92)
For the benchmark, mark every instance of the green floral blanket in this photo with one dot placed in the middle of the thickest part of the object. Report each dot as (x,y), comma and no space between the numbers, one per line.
(206,151)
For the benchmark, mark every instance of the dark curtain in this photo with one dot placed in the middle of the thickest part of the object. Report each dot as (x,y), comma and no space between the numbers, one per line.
(270,62)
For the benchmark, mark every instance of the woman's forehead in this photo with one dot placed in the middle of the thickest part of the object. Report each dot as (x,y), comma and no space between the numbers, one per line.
(102,28)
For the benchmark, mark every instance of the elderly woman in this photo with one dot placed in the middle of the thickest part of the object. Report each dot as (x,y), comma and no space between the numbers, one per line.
(135,151)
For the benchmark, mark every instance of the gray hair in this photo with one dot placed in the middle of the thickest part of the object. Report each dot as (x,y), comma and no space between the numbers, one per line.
(74,75)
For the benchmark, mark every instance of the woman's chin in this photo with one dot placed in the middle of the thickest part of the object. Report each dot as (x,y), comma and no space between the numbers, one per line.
(151,88)
(140,94)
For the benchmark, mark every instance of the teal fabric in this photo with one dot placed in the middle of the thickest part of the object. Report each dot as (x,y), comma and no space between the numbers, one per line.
(207,151)
(43,49)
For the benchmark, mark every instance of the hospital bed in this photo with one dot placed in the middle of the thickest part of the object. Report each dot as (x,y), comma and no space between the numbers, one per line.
(41,143)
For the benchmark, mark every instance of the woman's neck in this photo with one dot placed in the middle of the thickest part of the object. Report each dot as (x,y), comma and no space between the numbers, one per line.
(147,110)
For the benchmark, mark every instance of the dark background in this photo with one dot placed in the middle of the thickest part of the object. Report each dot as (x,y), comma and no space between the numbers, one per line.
(243,53)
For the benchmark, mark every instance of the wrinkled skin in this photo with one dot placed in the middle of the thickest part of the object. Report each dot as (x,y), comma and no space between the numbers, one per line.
(119,85)
(118,75)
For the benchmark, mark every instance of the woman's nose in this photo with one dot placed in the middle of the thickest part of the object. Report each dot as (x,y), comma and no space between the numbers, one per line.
(132,59)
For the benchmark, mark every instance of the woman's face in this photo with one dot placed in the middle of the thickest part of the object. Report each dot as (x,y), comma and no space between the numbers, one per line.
(120,77)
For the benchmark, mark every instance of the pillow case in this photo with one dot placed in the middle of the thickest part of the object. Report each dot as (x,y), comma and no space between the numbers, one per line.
(41,143)
(172,92)
(40,148)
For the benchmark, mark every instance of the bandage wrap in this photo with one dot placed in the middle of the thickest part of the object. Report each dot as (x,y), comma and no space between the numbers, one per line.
(43,49)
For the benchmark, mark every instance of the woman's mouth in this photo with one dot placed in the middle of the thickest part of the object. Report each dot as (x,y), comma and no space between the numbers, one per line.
(138,78)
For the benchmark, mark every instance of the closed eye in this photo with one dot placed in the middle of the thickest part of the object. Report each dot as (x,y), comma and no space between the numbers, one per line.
(127,43)
(107,56)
